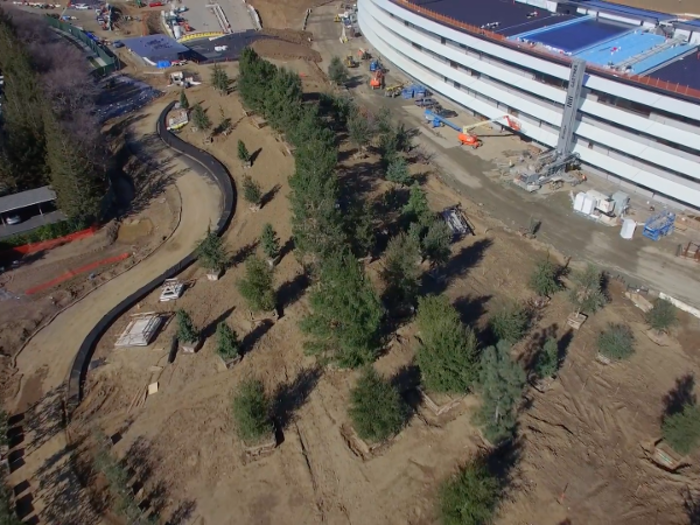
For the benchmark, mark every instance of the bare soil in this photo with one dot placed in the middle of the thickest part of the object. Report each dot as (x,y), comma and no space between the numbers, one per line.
(580,455)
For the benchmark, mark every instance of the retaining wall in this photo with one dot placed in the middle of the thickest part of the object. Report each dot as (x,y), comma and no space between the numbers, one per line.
(211,167)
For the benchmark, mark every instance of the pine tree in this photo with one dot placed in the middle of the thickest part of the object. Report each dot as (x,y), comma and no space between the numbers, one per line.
(397,171)
(510,323)
(251,412)
(227,345)
(447,355)
(257,285)
(417,208)
(547,359)
(376,408)
(252,191)
(346,315)
(682,429)
(211,252)
(359,226)
(471,496)
(359,130)
(243,154)
(436,242)
(544,280)
(502,381)
(200,118)
(337,71)
(219,79)
(401,272)
(284,100)
(184,101)
(270,242)
(255,77)
(186,331)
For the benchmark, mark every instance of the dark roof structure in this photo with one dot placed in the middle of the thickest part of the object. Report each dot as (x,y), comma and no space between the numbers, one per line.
(23,199)
(156,48)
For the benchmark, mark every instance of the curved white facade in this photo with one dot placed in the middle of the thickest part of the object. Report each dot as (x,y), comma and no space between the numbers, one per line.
(647,141)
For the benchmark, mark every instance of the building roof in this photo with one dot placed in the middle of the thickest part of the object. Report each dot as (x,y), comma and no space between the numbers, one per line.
(155,48)
(624,10)
(23,199)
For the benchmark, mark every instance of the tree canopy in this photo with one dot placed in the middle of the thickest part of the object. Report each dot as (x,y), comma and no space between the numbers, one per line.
(401,271)
(588,295)
(186,331)
(337,71)
(211,252)
(470,497)
(257,285)
(376,407)
(227,344)
(251,411)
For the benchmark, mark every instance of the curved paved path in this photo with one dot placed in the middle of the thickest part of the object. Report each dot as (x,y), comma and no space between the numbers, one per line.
(46,360)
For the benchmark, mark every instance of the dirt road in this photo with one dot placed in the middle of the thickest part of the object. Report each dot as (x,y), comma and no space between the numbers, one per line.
(45,362)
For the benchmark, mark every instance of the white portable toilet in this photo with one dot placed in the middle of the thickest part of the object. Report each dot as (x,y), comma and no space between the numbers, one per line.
(578,201)
(628,227)
(588,204)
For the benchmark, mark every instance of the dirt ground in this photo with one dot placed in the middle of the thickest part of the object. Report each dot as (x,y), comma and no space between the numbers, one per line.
(580,456)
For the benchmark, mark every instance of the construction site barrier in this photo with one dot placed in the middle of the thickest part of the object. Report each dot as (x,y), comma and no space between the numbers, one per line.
(212,168)
(484,34)
(199,36)
(48,244)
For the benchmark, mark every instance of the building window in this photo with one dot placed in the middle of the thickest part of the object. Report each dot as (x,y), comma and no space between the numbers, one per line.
(454,65)
(416,46)
(463,46)
(443,41)
(551,80)
(457,85)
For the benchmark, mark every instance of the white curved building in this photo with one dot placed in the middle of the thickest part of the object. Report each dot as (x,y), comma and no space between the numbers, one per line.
(633,117)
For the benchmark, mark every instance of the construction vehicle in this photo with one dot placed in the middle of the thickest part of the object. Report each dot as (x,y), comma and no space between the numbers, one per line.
(659,225)
(377,80)
(375,65)
(363,54)
(425,102)
(468,139)
(393,91)
(350,61)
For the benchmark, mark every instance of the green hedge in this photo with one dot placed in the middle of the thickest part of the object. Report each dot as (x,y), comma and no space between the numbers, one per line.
(43,233)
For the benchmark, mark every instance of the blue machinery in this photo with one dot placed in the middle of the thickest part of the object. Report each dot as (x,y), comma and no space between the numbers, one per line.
(415,90)
(438,121)
(659,225)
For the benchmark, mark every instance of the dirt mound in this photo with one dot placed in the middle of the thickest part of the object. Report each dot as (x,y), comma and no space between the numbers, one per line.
(290,35)
(278,49)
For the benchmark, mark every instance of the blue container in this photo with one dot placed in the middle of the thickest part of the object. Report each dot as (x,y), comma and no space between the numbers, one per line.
(406,93)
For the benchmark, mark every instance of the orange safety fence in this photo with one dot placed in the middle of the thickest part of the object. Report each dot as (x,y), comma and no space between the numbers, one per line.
(51,243)
(654,82)
(72,273)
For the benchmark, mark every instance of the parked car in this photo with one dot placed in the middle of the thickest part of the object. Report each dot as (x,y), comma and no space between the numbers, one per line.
(425,102)
(13,219)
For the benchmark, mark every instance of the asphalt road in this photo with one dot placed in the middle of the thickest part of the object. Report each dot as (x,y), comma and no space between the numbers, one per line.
(641,261)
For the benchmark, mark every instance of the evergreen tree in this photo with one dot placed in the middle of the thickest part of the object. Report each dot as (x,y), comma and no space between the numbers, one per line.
(682,429)
(227,345)
(186,331)
(251,412)
(447,355)
(397,171)
(359,130)
(257,285)
(502,381)
(401,272)
(510,323)
(662,316)
(184,101)
(270,242)
(436,242)
(243,154)
(252,191)
(587,294)
(376,408)
(219,79)
(255,77)
(337,71)
(547,359)
(211,252)
(359,226)
(200,118)
(345,319)
(616,342)
(417,209)
(470,497)
(544,280)
(283,103)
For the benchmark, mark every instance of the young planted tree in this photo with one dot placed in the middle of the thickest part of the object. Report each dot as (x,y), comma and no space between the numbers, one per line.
(184,101)
(243,154)
(337,71)
(211,253)
(544,280)
(502,381)
(227,344)
(401,272)
(587,295)
(359,227)
(360,130)
(257,285)
(447,355)
(547,359)
(682,429)
(251,412)
(200,118)
(662,316)
(270,242)
(345,320)
(397,171)
(417,208)
(510,323)
(436,242)
(470,497)
(252,191)
(376,407)
(255,76)
(616,342)
(219,79)
(283,104)
(186,332)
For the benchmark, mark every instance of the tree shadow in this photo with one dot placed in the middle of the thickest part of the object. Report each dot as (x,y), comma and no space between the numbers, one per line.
(45,419)
(287,248)
(691,505)
(291,291)
(290,397)
(182,513)
(242,254)
(503,461)
(255,155)
(210,328)
(265,199)
(563,346)
(468,257)
(471,309)
(680,396)
(251,338)
(407,380)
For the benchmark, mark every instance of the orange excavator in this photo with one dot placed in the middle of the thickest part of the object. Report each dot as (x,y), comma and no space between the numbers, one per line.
(468,139)
(377,80)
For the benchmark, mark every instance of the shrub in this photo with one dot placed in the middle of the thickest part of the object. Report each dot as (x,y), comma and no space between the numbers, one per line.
(682,429)
(251,411)
(545,278)
(447,355)
(46,232)
(547,359)
(510,323)
(186,331)
(617,342)
(470,497)
(227,345)
(256,286)
(662,316)
(377,410)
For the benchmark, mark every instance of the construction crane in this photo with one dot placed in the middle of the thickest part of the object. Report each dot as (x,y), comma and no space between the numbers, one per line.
(468,139)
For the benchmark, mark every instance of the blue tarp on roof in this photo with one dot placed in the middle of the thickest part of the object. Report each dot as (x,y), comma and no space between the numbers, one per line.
(155,48)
